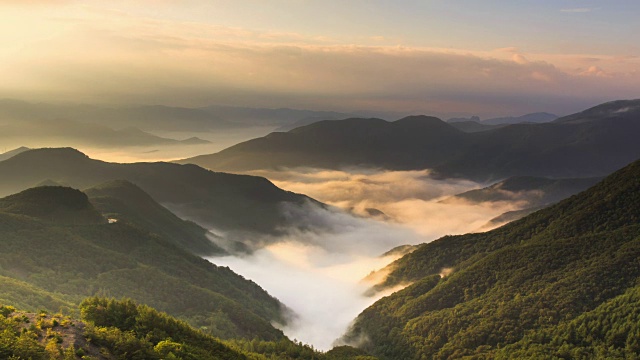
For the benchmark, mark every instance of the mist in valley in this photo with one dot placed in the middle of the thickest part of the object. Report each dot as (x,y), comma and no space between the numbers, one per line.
(320,273)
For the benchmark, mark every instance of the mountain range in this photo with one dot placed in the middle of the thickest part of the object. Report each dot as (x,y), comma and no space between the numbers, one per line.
(592,143)
(559,283)
(232,204)
(159,117)
(76,133)
(145,117)
(538,117)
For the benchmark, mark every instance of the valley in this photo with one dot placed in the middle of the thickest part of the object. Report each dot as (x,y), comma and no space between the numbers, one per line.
(319,180)
(331,245)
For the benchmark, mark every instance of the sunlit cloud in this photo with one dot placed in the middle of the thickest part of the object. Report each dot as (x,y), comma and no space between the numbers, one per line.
(578,10)
(102,55)
(411,199)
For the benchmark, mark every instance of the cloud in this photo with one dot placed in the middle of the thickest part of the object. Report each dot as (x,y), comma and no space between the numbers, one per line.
(578,10)
(408,198)
(99,56)
(520,59)
(34,2)
(322,288)
(594,71)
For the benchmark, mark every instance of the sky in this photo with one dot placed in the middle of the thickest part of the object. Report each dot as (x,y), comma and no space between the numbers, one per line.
(463,57)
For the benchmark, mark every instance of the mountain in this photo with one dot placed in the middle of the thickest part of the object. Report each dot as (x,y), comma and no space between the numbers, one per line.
(265,116)
(120,200)
(69,260)
(475,119)
(350,142)
(588,144)
(300,123)
(11,153)
(473,126)
(508,217)
(230,203)
(56,205)
(538,118)
(145,117)
(558,283)
(532,191)
(620,110)
(58,130)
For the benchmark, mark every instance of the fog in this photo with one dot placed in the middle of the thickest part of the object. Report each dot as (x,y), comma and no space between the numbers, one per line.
(319,274)
(410,198)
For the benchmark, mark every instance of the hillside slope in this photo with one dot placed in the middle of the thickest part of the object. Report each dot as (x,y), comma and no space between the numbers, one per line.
(120,200)
(478,295)
(71,260)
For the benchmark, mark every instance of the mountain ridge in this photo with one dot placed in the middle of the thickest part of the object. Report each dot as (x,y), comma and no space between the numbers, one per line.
(224,201)
(595,146)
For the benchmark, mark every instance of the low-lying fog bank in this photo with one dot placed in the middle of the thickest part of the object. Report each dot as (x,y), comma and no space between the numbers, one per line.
(319,274)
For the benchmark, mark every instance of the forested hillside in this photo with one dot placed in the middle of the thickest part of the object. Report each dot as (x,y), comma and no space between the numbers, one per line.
(560,282)
(121,329)
(58,249)
(121,200)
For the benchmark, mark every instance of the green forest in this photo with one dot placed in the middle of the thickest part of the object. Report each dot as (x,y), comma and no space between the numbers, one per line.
(57,250)
(122,329)
(561,283)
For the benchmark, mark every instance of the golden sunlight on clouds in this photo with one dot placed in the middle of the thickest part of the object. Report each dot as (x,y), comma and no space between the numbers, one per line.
(411,198)
(92,54)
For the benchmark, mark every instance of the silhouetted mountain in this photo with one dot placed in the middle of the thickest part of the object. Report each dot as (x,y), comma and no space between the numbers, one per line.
(121,200)
(475,119)
(614,110)
(70,260)
(152,117)
(350,142)
(224,201)
(300,123)
(11,153)
(594,145)
(264,116)
(533,191)
(538,118)
(563,280)
(473,126)
(508,217)
(83,134)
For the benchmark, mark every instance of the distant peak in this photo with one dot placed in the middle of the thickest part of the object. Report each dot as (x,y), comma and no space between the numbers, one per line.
(122,189)
(423,121)
(421,118)
(116,184)
(65,152)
